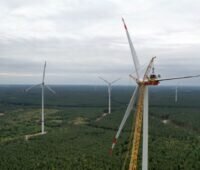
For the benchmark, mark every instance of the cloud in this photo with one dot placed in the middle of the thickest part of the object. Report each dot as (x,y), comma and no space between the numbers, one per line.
(83,39)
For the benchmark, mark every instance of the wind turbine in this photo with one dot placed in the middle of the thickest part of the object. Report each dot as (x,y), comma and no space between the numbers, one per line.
(176,94)
(109,91)
(42,85)
(141,120)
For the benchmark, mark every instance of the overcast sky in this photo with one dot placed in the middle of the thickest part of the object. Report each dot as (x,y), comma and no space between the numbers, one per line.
(84,39)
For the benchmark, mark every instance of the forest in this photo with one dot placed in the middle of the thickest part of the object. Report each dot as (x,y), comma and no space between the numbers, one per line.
(77,139)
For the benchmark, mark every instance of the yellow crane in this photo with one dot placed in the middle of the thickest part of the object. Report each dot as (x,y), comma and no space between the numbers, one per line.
(139,115)
(137,131)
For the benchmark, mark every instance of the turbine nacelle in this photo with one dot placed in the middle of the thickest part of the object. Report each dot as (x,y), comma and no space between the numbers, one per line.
(148,79)
(147,82)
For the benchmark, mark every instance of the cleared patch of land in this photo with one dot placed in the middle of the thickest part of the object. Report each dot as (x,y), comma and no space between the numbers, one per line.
(165,121)
(79,121)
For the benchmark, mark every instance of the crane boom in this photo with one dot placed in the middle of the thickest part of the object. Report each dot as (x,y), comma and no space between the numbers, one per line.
(137,131)
(149,67)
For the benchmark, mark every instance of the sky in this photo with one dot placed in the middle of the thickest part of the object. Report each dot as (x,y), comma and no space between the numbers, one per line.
(84,39)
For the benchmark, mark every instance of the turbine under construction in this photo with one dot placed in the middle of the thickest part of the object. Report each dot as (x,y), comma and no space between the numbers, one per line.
(149,78)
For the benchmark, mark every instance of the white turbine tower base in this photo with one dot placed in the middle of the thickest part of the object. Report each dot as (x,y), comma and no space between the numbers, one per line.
(145,130)
(109,98)
(176,94)
(42,120)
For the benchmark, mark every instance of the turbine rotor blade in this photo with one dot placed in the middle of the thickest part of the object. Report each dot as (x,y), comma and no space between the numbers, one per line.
(174,78)
(104,80)
(44,72)
(50,89)
(26,90)
(134,78)
(133,52)
(126,115)
(115,81)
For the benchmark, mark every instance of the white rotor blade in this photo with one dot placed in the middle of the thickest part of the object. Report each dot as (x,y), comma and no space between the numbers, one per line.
(50,89)
(104,80)
(174,78)
(44,72)
(26,90)
(115,80)
(127,113)
(133,52)
(133,77)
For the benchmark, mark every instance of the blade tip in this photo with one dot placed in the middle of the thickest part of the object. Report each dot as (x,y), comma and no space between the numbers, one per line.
(114,141)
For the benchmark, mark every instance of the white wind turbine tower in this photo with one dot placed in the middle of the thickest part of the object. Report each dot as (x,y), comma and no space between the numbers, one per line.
(109,91)
(141,120)
(42,85)
(176,93)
